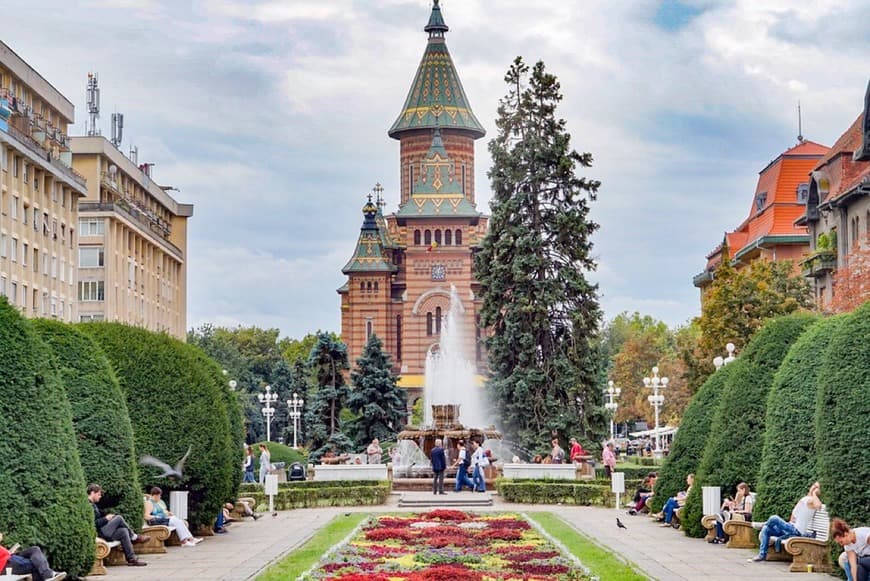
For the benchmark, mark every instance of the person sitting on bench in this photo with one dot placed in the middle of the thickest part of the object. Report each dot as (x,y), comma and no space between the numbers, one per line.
(30,561)
(156,513)
(797,526)
(741,505)
(644,493)
(113,527)
(675,502)
(856,549)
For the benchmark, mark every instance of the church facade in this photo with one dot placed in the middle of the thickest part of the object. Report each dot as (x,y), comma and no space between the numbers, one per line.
(405,263)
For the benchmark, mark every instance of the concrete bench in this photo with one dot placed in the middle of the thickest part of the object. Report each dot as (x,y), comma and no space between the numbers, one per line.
(103,549)
(160,538)
(238,512)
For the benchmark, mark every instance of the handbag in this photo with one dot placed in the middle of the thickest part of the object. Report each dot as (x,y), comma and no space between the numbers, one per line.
(158,520)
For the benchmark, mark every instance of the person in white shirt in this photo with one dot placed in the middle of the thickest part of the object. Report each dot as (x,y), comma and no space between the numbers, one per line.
(797,526)
(855,559)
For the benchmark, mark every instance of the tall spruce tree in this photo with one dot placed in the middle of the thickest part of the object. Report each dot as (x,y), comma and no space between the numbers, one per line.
(380,403)
(536,299)
(328,362)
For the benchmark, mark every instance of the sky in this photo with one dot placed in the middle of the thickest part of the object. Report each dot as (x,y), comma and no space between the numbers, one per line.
(271,117)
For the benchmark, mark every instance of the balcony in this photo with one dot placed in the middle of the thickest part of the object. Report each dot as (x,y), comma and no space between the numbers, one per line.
(135,216)
(819,264)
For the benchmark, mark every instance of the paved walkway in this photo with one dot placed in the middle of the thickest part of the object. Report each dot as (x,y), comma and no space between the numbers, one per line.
(250,547)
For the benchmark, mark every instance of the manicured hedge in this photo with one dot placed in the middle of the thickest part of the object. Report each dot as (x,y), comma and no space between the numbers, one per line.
(175,404)
(326,494)
(843,419)
(104,434)
(788,460)
(733,449)
(42,486)
(688,445)
(556,492)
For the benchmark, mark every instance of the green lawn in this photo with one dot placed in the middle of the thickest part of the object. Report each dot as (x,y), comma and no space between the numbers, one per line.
(308,554)
(601,561)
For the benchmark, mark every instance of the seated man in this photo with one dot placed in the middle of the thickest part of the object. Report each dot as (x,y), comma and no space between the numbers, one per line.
(246,511)
(644,493)
(112,527)
(675,502)
(156,513)
(798,524)
(855,559)
(31,561)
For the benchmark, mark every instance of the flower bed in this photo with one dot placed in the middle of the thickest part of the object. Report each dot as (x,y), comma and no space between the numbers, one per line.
(447,545)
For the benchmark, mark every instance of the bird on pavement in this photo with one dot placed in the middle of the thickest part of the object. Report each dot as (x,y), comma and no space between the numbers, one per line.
(620,525)
(168,471)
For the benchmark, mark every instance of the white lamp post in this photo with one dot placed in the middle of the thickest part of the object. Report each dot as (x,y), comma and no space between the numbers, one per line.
(656,400)
(612,393)
(295,405)
(718,361)
(268,410)
(232,383)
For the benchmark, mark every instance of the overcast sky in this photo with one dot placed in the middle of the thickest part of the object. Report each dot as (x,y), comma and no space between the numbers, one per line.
(271,116)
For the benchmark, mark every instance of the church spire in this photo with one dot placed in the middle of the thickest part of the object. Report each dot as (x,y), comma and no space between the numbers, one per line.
(369,255)
(436,27)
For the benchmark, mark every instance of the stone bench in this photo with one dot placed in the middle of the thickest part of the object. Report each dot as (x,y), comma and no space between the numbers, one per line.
(238,512)
(160,537)
(103,549)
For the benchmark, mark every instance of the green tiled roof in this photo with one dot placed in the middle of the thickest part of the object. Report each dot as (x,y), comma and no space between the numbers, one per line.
(369,255)
(436,96)
(438,190)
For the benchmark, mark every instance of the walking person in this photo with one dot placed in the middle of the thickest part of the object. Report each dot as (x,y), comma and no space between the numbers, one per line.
(609,460)
(439,465)
(557,454)
(265,463)
(479,461)
(577,452)
(463,463)
(113,527)
(248,466)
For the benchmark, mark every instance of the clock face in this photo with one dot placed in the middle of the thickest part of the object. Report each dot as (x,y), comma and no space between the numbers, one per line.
(438,272)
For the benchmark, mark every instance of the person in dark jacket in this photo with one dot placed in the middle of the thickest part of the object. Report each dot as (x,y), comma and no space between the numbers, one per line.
(439,465)
(113,527)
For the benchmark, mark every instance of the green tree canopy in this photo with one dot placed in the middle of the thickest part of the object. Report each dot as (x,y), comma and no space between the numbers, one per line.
(101,421)
(843,419)
(733,450)
(42,485)
(376,397)
(532,268)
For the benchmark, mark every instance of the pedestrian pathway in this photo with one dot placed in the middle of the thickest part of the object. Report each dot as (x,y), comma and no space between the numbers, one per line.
(251,547)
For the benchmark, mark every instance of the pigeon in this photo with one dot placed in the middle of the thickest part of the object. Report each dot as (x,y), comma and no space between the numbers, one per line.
(168,471)
(620,525)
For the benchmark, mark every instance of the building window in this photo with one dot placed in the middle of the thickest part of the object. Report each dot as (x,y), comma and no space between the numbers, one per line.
(427,237)
(36,260)
(376,287)
(803,192)
(3,245)
(91,257)
(2,286)
(463,178)
(416,238)
(91,291)
(362,287)
(369,287)
(16,161)
(93,317)
(398,337)
(760,201)
(437,320)
(13,207)
(458,238)
(13,292)
(54,267)
(24,252)
(429,324)
(13,250)
(448,237)
(369,329)
(438,237)
(91,227)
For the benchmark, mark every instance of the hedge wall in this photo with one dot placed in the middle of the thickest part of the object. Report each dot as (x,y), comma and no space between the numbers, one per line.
(733,449)
(328,494)
(556,492)
(42,486)
(688,445)
(843,419)
(104,434)
(788,459)
(175,404)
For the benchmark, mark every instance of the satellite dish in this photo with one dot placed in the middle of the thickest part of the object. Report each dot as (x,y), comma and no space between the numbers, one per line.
(113,169)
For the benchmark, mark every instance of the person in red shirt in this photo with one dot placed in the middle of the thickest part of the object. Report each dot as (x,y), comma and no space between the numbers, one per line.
(576,451)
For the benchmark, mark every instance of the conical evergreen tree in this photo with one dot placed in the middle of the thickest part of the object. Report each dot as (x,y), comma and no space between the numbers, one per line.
(536,299)
(380,403)
(328,362)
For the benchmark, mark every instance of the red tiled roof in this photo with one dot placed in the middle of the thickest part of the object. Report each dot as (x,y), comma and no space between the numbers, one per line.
(846,174)
(847,143)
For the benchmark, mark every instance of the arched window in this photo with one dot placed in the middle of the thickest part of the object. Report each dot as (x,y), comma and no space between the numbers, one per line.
(416,238)
(369,329)
(427,237)
(448,237)
(438,237)
(458,237)
(398,337)
(437,320)
(369,287)
(376,287)
(429,323)
(362,287)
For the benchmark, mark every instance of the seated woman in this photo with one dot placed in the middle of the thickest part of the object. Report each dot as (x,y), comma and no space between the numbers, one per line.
(644,493)
(855,559)
(156,513)
(674,502)
(741,506)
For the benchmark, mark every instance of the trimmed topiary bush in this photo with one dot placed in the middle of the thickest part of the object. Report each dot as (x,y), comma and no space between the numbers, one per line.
(42,486)
(843,419)
(104,434)
(733,449)
(556,492)
(175,404)
(688,445)
(788,460)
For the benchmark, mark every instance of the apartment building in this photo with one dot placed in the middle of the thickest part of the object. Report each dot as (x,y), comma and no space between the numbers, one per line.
(39,193)
(132,246)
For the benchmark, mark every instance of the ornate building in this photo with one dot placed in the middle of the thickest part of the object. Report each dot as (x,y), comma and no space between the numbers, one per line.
(401,273)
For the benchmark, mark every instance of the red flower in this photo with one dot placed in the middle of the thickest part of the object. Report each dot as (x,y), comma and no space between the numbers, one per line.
(387,534)
(445,514)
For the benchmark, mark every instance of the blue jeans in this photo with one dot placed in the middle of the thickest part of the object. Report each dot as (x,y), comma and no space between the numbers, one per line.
(478,480)
(462,479)
(249,476)
(775,527)
(670,506)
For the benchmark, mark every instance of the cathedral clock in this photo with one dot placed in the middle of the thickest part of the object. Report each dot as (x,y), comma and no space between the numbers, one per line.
(438,272)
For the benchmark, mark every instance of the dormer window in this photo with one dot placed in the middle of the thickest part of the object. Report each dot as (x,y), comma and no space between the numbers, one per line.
(760,200)
(803,193)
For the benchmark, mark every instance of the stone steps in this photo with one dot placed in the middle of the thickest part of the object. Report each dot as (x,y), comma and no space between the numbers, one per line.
(449,500)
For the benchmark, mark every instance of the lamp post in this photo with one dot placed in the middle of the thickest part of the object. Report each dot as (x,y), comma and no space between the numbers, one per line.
(268,410)
(232,383)
(656,400)
(612,393)
(718,361)
(295,405)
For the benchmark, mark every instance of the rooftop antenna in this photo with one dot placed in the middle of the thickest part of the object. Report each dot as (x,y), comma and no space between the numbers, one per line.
(117,129)
(800,125)
(93,99)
